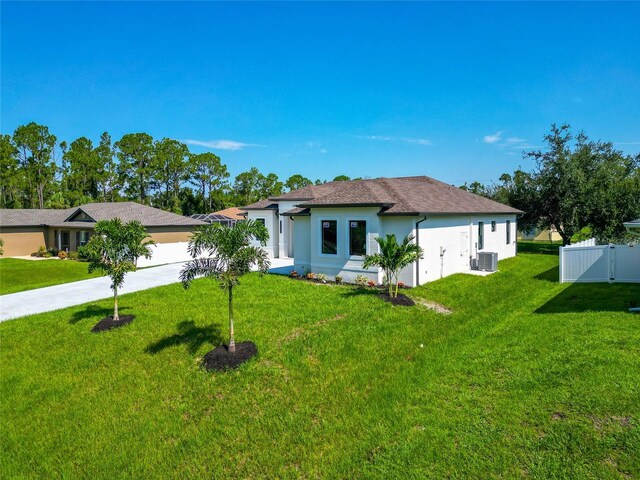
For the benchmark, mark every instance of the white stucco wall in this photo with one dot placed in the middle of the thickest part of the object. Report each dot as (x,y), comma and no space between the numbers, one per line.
(307,242)
(271,223)
(458,237)
(449,241)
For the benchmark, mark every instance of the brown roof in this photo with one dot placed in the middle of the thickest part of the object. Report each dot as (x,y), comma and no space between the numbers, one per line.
(234,213)
(395,196)
(261,205)
(126,211)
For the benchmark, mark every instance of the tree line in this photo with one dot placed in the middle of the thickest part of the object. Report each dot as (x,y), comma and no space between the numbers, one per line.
(576,184)
(37,171)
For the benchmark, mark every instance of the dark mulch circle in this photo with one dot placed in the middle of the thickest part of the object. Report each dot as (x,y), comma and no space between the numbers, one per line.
(107,323)
(220,359)
(401,300)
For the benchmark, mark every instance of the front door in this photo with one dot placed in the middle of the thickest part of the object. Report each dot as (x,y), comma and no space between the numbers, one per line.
(64,240)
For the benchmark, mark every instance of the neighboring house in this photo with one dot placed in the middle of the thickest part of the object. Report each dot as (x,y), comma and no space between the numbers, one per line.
(329,228)
(633,226)
(537,234)
(228,216)
(24,230)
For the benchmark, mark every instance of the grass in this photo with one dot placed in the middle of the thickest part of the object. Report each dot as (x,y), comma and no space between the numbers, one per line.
(527,378)
(543,247)
(17,275)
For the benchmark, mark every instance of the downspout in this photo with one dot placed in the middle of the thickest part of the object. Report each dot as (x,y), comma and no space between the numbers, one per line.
(418,244)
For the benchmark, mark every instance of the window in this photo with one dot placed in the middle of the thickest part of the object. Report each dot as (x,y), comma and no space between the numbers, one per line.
(262,221)
(508,232)
(281,226)
(357,238)
(493,226)
(480,235)
(82,238)
(329,237)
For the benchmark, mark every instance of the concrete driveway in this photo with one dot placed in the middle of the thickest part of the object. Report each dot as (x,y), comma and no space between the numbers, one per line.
(66,295)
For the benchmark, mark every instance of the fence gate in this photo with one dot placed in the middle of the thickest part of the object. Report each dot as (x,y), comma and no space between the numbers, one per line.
(600,263)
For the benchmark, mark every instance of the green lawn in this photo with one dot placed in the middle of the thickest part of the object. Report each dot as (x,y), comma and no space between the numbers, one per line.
(17,275)
(544,247)
(527,378)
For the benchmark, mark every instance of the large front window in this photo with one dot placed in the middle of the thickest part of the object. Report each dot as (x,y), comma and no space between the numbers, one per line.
(329,237)
(357,238)
(82,238)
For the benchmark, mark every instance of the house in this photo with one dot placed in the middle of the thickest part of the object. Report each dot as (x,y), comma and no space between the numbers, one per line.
(329,228)
(228,216)
(633,227)
(540,235)
(25,230)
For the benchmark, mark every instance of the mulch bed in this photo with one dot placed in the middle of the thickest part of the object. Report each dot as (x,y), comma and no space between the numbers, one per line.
(401,300)
(107,323)
(220,359)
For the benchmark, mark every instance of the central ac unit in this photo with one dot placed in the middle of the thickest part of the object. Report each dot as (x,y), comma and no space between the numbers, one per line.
(488,261)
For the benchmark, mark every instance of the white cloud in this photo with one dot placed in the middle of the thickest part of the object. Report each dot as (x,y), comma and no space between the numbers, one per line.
(496,137)
(221,144)
(386,138)
(512,140)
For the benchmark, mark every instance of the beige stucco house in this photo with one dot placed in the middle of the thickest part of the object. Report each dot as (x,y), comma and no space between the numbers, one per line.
(25,230)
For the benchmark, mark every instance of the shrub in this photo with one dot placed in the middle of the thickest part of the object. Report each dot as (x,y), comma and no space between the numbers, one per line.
(310,276)
(293,274)
(62,254)
(371,283)
(46,255)
(360,280)
(339,279)
(83,254)
(73,255)
(401,284)
(54,251)
(321,277)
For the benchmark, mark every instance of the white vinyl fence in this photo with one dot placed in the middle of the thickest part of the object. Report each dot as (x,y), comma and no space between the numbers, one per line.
(588,262)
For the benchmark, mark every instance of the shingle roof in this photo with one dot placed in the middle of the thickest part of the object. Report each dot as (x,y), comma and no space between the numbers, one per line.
(234,213)
(126,211)
(396,196)
(261,205)
(30,217)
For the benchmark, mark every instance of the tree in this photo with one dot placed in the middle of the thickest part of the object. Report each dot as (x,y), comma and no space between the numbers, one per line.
(1,247)
(297,181)
(231,255)
(108,174)
(580,183)
(170,169)
(36,156)
(81,172)
(247,186)
(269,186)
(342,178)
(11,179)
(135,152)
(114,250)
(209,176)
(393,257)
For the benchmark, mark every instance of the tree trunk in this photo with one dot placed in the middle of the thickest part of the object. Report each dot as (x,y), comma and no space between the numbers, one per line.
(390,282)
(232,342)
(116,317)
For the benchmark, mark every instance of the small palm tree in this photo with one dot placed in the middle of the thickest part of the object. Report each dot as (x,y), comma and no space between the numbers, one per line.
(393,257)
(231,256)
(114,250)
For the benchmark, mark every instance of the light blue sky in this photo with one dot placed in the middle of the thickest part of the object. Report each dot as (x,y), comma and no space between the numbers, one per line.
(454,91)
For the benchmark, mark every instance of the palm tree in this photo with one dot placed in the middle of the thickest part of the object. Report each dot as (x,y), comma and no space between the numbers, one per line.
(393,257)
(114,250)
(231,255)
